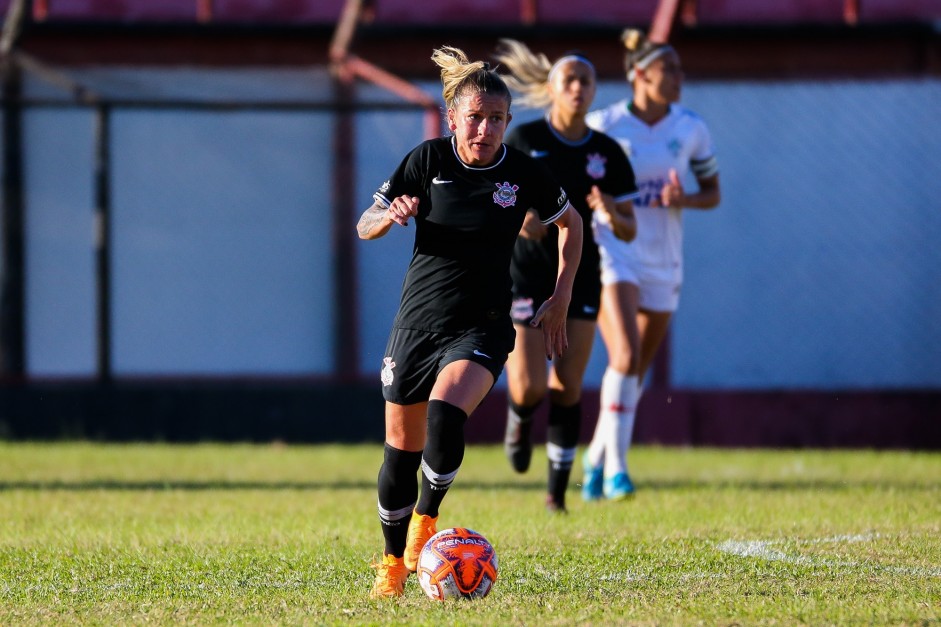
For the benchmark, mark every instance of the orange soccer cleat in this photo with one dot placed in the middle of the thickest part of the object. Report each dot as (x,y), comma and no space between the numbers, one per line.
(390,578)
(420,530)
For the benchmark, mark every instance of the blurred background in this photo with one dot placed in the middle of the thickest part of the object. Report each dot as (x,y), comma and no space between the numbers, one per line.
(182,178)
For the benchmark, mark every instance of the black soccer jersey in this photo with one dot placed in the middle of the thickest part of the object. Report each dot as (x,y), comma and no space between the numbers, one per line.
(595,160)
(467,223)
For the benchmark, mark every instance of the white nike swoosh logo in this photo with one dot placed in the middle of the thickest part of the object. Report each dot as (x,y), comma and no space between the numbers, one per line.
(479,354)
(535,154)
(437,181)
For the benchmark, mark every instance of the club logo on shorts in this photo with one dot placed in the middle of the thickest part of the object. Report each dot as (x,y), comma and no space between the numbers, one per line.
(387,366)
(595,168)
(522,309)
(505,196)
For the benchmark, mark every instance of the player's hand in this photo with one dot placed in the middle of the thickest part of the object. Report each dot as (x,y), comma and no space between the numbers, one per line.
(533,228)
(598,201)
(402,208)
(672,194)
(551,317)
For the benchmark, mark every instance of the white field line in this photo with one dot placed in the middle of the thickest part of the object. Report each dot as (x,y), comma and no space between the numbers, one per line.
(767,550)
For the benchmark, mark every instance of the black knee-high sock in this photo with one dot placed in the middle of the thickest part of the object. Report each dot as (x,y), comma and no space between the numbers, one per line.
(561,442)
(444,452)
(525,414)
(398,491)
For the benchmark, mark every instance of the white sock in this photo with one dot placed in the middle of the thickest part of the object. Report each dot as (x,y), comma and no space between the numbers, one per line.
(595,452)
(619,395)
(596,448)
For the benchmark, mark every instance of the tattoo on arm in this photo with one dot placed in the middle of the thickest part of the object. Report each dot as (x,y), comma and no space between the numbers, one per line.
(370,219)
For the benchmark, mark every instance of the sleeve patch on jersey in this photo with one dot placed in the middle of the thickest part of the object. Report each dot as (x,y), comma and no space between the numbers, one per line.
(705,167)
(559,214)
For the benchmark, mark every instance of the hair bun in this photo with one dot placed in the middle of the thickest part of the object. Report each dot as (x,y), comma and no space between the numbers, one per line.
(632,38)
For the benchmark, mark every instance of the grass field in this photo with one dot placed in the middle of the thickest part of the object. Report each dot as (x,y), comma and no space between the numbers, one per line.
(137,534)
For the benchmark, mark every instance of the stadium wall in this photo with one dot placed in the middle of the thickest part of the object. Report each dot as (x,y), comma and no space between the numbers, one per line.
(808,317)
(304,411)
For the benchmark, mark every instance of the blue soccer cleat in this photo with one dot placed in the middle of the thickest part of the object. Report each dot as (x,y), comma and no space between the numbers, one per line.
(592,480)
(618,487)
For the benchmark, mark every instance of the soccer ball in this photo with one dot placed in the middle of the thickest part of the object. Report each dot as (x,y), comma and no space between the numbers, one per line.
(457,563)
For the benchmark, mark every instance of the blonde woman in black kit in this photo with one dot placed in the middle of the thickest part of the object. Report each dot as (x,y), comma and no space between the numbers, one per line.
(467,196)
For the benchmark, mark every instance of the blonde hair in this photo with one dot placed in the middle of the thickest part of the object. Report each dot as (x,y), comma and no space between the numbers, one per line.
(529,72)
(461,77)
(640,50)
(633,39)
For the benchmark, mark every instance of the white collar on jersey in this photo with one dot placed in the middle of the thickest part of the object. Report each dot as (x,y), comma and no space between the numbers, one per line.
(568,142)
(630,112)
(473,167)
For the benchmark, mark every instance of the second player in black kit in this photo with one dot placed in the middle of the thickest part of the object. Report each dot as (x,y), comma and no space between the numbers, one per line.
(599,181)
(595,160)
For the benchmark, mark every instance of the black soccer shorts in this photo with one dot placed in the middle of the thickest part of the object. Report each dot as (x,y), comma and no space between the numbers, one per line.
(414,358)
(528,297)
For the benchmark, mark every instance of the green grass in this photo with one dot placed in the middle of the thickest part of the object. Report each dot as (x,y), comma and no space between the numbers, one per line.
(137,534)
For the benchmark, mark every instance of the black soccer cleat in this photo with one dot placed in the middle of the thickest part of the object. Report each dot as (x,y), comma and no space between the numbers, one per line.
(516,442)
(555,507)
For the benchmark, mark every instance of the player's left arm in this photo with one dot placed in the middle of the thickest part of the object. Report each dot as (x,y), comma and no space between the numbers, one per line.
(552,314)
(674,196)
(705,167)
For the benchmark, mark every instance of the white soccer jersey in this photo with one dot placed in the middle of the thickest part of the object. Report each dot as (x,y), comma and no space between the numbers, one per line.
(680,141)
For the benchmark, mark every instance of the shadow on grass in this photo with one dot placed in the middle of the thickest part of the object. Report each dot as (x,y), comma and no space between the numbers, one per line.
(526,486)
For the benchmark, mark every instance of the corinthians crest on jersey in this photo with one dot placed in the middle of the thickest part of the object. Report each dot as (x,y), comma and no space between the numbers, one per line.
(595,167)
(505,196)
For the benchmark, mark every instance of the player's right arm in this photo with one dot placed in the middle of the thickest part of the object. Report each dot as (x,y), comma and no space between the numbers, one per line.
(620,215)
(377,220)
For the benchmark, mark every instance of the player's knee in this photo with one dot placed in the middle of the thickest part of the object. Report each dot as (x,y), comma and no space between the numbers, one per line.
(566,396)
(531,396)
(526,390)
(625,362)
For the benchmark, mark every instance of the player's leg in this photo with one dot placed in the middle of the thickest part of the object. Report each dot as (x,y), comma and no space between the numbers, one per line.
(658,301)
(565,409)
(653,327)
(398,492)
(459,389)
(526,387)
(409,367)
(619,389)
